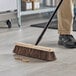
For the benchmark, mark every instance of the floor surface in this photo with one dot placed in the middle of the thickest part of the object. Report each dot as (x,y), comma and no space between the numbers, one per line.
(65,65)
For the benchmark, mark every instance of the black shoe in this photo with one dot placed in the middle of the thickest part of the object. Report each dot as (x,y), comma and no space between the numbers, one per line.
(67,41)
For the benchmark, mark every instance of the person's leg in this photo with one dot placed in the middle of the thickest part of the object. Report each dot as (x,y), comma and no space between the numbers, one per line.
(65,17)
(65,22)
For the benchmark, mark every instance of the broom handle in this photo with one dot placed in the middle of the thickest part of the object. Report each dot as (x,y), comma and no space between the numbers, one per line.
(44,30)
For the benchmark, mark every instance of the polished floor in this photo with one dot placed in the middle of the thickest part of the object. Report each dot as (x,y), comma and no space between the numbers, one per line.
(65,65)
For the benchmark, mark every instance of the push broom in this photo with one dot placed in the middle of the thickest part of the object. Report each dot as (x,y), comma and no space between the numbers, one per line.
(39,52)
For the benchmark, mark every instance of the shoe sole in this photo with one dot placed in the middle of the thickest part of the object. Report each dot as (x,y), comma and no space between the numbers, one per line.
(67,46)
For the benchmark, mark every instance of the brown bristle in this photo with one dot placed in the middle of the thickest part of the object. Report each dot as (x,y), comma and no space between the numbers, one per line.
(40,53)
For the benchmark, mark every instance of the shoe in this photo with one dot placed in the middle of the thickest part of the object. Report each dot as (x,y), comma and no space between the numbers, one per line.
(67,41)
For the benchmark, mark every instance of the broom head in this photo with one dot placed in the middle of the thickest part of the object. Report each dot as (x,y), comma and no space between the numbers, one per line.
(39,52)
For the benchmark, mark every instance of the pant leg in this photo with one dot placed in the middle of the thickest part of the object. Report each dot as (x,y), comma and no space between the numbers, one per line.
(65,17)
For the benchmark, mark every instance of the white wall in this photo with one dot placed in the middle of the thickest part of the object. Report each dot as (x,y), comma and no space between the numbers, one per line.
(6,5)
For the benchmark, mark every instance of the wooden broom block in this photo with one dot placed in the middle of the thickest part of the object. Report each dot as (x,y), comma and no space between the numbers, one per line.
(40,52)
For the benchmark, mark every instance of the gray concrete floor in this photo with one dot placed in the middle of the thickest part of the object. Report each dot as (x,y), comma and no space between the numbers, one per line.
(65,65)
